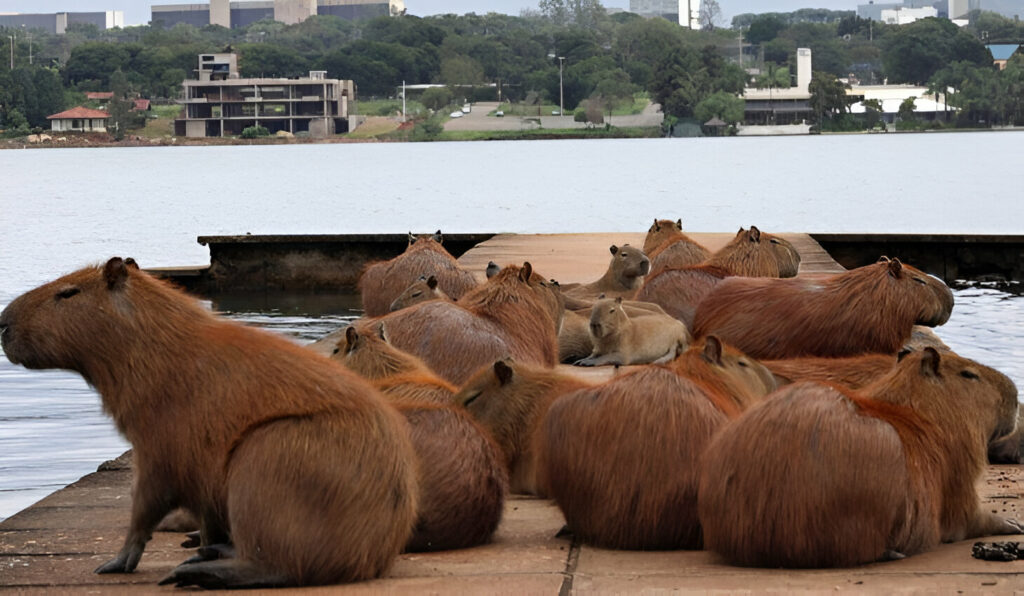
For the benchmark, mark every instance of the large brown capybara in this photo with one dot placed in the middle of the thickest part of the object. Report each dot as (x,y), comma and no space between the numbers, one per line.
(623,277)
(395,373)
(752,253)
(463,479)
(679,291)
(516,313)
(423,289)
(621,459)
(268,443)
(821,476)
(869,309)
(668,247)
(621,339)
(510,399)
(381,282)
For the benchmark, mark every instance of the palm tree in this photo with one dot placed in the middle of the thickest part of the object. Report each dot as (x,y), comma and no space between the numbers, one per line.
(774,77)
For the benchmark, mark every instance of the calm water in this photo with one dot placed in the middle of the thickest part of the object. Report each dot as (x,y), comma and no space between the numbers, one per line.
(63,208)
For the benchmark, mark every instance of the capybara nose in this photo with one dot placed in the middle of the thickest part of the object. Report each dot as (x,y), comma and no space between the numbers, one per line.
(645,267)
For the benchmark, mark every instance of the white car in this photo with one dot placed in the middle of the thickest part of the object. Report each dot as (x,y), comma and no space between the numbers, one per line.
(456,114)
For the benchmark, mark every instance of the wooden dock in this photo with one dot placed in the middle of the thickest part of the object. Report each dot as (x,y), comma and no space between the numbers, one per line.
(54,545)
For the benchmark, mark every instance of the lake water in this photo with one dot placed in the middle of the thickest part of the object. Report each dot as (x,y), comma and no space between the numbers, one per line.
(61,209)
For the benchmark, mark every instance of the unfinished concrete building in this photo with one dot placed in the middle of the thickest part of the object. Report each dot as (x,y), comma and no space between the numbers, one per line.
(220,103)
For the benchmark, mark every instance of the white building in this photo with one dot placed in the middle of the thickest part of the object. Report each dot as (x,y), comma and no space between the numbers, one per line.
(80,119)
(904,16)
(926,105)
(686,12)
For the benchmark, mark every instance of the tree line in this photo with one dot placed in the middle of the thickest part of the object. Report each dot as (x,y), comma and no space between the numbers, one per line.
(607,56)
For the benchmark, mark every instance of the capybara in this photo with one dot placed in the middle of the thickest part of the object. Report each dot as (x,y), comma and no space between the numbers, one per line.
(510,399)
(667,246)
(869,309)
(381,282)
(267,442)
(516,313)
(622,339)
(679,291)
(731,379)
(621,459)
(574,341)
(421,290)
(817,475)
(752,253)
(395,373)
(463,479)
(623,277)
(1008,449)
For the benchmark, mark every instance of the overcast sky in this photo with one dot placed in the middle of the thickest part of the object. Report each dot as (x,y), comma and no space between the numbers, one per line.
(137,13)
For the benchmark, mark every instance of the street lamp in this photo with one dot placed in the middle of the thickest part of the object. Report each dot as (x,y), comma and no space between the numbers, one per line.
(561,92)
(11,37)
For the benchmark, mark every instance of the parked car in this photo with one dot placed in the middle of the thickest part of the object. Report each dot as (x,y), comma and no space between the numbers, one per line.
(456,114)
(499,113)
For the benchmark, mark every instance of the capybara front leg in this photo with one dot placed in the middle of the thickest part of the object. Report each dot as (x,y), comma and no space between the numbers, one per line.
(149,506)
(212,552)
(224,573)
(990,524)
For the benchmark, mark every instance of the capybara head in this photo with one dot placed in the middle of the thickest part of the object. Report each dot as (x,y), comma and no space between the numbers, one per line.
(628,264)
(662,230)
(371,356)
(723,369)
(492,269)
(785,253)
(933,298)
(507,284)
(752,253)
(607,317)
(50,326)
(950,388)
(423,289)
(435,237)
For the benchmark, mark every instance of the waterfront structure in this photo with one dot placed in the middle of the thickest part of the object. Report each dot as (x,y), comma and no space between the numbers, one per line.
(241,14)
(57,23)
(789,105)
(220,103)
(79,119)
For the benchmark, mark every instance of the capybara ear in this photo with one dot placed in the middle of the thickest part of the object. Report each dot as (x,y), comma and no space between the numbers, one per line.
(713,350)
(882,259)
(679,224)
(755,234)
(130,262)
(618,300)
(526,271)
(115,272)
(432,282)
(555,283)
(492,269)
(895,267)
(903,354)
(351,337)
(503,371)
(438,237)
(654,226)
(930,362)
(412,238)
(613,249)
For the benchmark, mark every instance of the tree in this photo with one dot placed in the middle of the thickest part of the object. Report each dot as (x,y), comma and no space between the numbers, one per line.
(461,70)
(914,53)
(764,28)
(120,106)
(710,14)
(828,97)
(437,98)
(872,113)
(725,106)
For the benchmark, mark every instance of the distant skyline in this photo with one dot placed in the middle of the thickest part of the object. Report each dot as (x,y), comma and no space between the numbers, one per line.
(138,13)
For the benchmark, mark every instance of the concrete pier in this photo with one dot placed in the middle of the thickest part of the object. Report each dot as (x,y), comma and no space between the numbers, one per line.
(54,545)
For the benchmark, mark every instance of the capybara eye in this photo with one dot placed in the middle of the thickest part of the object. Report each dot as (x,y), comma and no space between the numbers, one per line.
(67,293)
(417,294)
(920,281)
(742,363)
(774,241)
(471,399)
(336,350)
(968,374)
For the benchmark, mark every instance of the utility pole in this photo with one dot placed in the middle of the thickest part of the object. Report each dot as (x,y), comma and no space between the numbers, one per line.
(403,100)
(11,37)
(561,92)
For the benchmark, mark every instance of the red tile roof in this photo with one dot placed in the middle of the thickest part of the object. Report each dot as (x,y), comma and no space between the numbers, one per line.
(141,105)
(99,95)
(79,112)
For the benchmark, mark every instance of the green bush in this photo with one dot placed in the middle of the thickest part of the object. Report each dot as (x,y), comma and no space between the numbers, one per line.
(253,132)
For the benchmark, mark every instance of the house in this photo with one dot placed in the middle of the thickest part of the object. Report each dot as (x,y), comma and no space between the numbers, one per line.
(140,105)
(1002,52)
(99,95)
(221,103)
(79,119)
(927,106)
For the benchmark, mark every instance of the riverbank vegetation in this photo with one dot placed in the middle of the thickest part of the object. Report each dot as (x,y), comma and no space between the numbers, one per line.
(573,50)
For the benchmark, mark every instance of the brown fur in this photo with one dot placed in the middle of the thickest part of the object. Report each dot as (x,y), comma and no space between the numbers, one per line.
(679,291)
(382,282)
(865,310)
(623,277)
(516,313)
(621,459)
(732,380)
(668,247)
(421,290)
(752,253)
(821,476)
(620,339)
(510,399)
(853,372)
(462,478)
(395,373)
(229,422)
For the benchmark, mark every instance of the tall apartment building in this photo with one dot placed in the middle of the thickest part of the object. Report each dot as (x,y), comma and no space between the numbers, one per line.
(57,23)
(221,103)
(241,14)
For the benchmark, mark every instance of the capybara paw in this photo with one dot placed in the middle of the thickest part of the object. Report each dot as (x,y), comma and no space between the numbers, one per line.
(124,562)
(192,540)
(1013,526)
(892,555)
(585,362)
(212,552)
